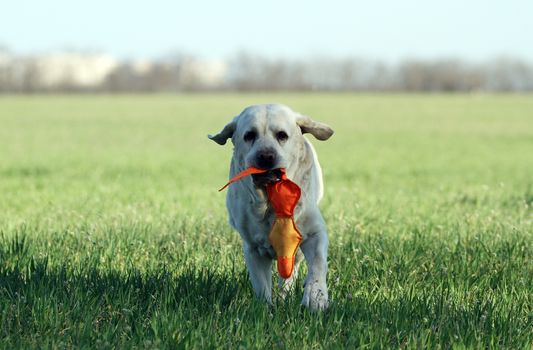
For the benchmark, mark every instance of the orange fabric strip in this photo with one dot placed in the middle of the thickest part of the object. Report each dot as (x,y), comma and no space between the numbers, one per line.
(248,171)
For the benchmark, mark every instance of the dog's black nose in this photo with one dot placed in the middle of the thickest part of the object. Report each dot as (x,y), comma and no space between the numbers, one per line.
(266,159)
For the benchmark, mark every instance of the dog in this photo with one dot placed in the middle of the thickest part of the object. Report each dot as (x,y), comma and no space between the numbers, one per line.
(270,137)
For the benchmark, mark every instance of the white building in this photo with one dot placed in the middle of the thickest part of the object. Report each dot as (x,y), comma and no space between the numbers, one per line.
(74,69)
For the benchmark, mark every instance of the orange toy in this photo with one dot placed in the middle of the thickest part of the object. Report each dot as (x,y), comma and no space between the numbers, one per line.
(284,235)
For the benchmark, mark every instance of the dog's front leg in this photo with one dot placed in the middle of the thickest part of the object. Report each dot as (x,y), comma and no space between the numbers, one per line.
(260,270)
(315,249)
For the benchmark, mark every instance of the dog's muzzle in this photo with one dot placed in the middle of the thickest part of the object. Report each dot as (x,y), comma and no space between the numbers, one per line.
(263,179)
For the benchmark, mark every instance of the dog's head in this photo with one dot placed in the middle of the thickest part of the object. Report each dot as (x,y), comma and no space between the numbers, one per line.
(269,137)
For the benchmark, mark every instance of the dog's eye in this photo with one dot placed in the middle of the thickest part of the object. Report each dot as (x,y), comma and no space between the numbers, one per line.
(250,136)
(282,136)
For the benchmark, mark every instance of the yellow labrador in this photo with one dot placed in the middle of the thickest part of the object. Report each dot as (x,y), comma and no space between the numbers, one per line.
(271,137)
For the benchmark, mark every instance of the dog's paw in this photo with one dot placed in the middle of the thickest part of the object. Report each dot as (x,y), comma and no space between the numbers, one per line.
(316,296)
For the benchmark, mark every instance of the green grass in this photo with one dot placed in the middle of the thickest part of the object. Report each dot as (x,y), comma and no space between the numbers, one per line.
(113,234)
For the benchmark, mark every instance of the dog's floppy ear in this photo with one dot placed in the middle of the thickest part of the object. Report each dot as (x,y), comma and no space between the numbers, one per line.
(319,130)
(225,134)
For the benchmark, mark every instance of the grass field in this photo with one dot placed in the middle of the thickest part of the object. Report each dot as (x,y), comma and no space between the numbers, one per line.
(113,234)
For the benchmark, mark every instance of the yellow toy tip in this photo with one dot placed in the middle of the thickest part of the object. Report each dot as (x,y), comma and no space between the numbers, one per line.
(285,266)
(285,240)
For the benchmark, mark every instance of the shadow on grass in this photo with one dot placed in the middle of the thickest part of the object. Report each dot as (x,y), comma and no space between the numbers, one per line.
(199,288)
(46,302)
(43,301)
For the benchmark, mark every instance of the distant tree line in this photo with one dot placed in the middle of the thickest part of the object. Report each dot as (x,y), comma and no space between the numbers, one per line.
(247,72)
(351,74)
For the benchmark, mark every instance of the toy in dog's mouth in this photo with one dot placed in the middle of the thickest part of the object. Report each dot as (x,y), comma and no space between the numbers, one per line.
(268,177)
(283,195)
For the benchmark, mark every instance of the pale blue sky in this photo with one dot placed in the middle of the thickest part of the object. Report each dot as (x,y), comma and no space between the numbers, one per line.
(388,30)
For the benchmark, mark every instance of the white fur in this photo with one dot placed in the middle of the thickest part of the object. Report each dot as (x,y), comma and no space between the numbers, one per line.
(249,210)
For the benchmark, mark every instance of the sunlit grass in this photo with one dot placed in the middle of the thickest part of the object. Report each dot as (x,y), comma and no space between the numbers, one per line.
(113,233)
